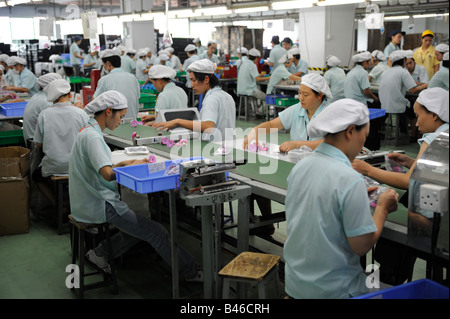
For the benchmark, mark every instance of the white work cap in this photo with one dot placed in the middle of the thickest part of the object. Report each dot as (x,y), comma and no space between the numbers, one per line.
(141,53)
(442,48)
(45,79)
(254,52)
(12,60)
(242,50)
(55,57)
(57,88)
(189,47)
(112,99)
(435,100)
(409,54)
(294,51)
(317,83)
(161,72)
(377,54)
(196,40)
(164,51)
(121,48)
(332,60)
(163,57)
(131,51)
(285,58)
(211,42)
(361,57)
(21,61)
(445,58)
(170,49)
(397,55)
(337,117)
(3,57)
(202,66)
(109,53)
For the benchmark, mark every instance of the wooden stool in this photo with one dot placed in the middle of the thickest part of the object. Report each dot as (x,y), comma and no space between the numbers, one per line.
(78,250)
(249,267)
(60,182)
(246,101)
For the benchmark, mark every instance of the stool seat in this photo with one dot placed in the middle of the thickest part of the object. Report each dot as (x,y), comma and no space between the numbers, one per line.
(85,225)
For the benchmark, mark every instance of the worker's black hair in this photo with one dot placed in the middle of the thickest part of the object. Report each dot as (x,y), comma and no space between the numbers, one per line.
(114,60)
(213,80)
(163,79)
(445,63)
(297,56)
(399,62)
(317,94)
(192,52)
(100,112)
(131,54)
(252,57)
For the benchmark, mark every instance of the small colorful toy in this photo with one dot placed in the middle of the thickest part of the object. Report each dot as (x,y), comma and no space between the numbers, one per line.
(152,159)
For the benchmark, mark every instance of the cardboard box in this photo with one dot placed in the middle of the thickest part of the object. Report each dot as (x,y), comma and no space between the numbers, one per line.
(14,162)
(15,206)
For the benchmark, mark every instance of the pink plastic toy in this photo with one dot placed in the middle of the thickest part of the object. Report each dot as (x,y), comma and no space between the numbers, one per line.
(152,158)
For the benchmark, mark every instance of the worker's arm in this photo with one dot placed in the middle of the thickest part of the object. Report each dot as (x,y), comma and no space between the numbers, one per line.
(265,128)
(109,175)
(418,88)
(190,125)
(368,93)
(17,89)
(386,204)
(7,97)
(294,77)
(291,145)
(262,78)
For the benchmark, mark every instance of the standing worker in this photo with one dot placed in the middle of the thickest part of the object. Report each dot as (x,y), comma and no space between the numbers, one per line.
(119,80)
(396,40)
(75,55)
(275,54)
(335,77)
(26,80)
(426,54)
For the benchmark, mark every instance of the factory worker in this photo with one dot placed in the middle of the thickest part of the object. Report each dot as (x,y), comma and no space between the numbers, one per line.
(7,71)
(248,76)
(150,60)
(75,55)
(394,84)
(210,52)
(418,72)
(11,75)
(380,65)
(122,49)
(192,57)
(90,61)
(335,77)
(440,78)
(396,40)
(281,73)
(36,105)
(127,62)
(426,54)
(327,234)
(141,66)
(440,50)
(242,53)
(119,80)
(26,81)
(218,113)
(2,80)
(298,67)
(199,47)
(276,54)
(313,93)
(174,60)
(286,43)
(357,85)
(93,192)
(170,96)
(164,60)
(56,130)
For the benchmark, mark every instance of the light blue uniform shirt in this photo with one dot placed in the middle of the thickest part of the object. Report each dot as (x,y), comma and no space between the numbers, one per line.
(27,80)
(57,129)
(88,189)
(420,74)
(200,49)
(440,79)
(390,48)
(335,78)
(356,82)
(127,64)
(88,59)
(175,61)
(394,84)
(429,137)
(186,63)
(11,77)
(171,97)
(140,66)
(280,73)
(214,57)
(295,118)
(319,260)
(219,107)
(376,72)
(74,48)
(302,66)
(275,55)
(246,80)
(34,107)
(125,83)
(241,61)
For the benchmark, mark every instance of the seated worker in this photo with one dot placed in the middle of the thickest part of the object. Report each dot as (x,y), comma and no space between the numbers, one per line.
(418,72)
(248,76)
(8,77)
(90,61)
(198,46)
(242,53)
(380,65)
(218,114)
(357,85)
(210,52)
(26,80)
(298,67)
(174,60)
(56,131)
(328,233)
(93,192)
(335,77)
(2,78)
(164,59)
(440,50)
(119,80)
(281,73)
(192,57)
(170,96)
(36,105)
(440,78)
(127,61)
(141,66)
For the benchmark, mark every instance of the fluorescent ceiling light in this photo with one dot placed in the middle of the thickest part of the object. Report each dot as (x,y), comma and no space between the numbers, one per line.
(298,4)
(16,2)
(212,11)
(416,16)
(337,2)
(251,10)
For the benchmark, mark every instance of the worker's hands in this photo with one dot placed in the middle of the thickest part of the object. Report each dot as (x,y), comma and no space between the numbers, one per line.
(402,159)
(165,125)
(361,167)
(249,138)
(140,161)
(147,118)
(289,145)
(388,200)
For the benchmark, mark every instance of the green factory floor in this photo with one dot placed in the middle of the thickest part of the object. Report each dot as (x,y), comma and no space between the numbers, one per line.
(33,265)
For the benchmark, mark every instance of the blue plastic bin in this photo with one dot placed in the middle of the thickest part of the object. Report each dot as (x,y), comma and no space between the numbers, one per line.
(13,109)
(376,113)
(138,178)
(270,99)
(419,289)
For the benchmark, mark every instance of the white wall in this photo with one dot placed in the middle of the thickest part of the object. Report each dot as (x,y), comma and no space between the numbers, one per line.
(140,35)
